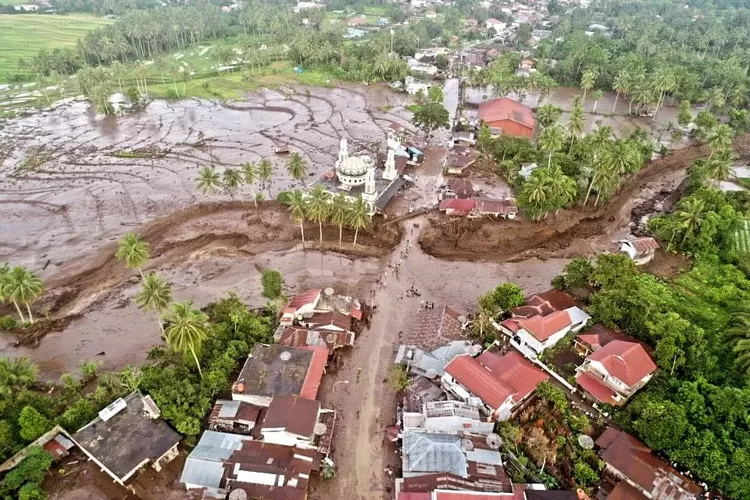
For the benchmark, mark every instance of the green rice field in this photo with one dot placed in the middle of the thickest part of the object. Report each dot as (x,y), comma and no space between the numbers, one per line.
(742,237)
(24,34)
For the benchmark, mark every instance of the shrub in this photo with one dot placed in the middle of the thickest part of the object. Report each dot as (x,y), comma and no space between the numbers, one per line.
(271,281)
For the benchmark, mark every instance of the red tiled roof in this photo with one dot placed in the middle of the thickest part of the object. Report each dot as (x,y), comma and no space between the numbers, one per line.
(596,388)
(414,496)
(493,378)
(512,325)
(355,312)
(458,205)
(543,304)
(460,161)
(329,318)
(294,414)
(314,372)
(306,298)
(506,109)
(543,327)
(643,245)
(628,361)
(470,495)
(598,335)
(623,491)
(496,207)
(434,328)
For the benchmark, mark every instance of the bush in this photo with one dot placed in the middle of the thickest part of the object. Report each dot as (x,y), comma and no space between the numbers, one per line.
(31,491)
(31,470)
(32,423)
(8,323)
(584,475)
(271,281)
(398,378)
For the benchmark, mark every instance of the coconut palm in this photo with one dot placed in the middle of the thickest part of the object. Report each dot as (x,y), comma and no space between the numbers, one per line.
(561,188)
(597,96)
(187,330)
(359,217)
(16,374)
(720,138)
(295,200)
(622,158)
(550,141)
(21,286)
(719,167)
(620,86)
(297,167)
(155,295)
(587,82)
(690,216)
(250,174)
(535,191)
(577,122)
(548,114)
(340,209)
(318,207)
(738,334)
(232,179)
(208,180)
(133,251)
(265,172)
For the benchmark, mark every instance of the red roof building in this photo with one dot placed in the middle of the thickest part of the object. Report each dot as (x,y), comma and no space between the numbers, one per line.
(501,382)
(543,327)
(628,458)
(300,304)
(508,117)
(314,372)
(616,371)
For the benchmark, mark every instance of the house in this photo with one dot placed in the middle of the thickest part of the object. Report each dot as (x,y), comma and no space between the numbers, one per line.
(495,24)
(300,305)
(352,33)
(615,372)
(458,188)
(632,462)
(508,117)
(301,5)
(527,169)
(294,336)
(640,250)
(300,422)
(464,137)
(448,417)
(419,67)
(479,207)
(356,21)
(436,327)
(594,338)
(496,384)
(332,321)
(126,436)
(278,370)
(464,455)
(225,462)
(418,4)
(235,416)
(457,207)
(456,164)
(420,391)
(432,364)
(413,86)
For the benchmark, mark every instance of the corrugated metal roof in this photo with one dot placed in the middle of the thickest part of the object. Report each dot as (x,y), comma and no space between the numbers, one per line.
(202,472)
(217,446)
(426,452)
(228,408)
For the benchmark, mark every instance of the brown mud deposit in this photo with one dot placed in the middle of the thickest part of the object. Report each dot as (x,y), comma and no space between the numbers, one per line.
(580,231)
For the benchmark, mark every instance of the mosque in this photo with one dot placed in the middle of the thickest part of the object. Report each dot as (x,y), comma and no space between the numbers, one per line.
(357,176)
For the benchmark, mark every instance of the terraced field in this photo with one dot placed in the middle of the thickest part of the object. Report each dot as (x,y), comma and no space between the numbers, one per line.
(24,34)
(742,237)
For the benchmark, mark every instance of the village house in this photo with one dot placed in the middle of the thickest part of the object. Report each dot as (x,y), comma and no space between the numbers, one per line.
(544,320)
(419,392)
(413,86)
(294,336)
(356,21)
(309,308)
(448,417)
(457,188)
(640,474)
(432,364)
(615,372)
(420,67)
(495,24)
(436,327)
(505,116)
(594,338)
(640,250)
(300,422)
(301,5)
(498,385)
(278,370)
(456,164)
(463,138)
(236,417)
(479,207)
(128,435)
(431,53)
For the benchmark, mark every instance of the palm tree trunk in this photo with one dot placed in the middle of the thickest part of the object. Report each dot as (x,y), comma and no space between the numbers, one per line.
(31,318)
(200,372)
(356,232)
(617,96)
(302,231)
(588,193)
(341,234)
(23,320)
(320,228)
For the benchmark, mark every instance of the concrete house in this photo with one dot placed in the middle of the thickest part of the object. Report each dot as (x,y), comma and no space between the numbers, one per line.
(296,421)
(300,306)
(497,385)
(448,417)
(505,116)
(640,250)
(615,372)
(128,435)
(431,364)
(540,332)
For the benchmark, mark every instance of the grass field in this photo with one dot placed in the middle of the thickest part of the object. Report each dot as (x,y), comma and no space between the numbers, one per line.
(23,35)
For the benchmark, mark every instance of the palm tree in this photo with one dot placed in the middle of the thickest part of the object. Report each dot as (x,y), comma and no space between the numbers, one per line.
(340,209)
(551,140)
(622,158)
(208,181)
(318,207)
(359,217)
(620,86)
(133,251)
(250,174)
(187,329)
(232,179)
(690,216)
(597,96)
(22,286)
(739,336)
(719,167)
(298,208)
(265,172)
(577,123)
(155,295)
(535,191)
(720,138)
(562,189)
(16,374)
(587,82)
(548,114)
(297,167)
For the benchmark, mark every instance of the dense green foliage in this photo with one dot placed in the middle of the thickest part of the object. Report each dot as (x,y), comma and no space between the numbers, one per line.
(271,281)
(696,408)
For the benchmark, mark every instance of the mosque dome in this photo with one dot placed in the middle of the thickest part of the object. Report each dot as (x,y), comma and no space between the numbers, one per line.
(353,166)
